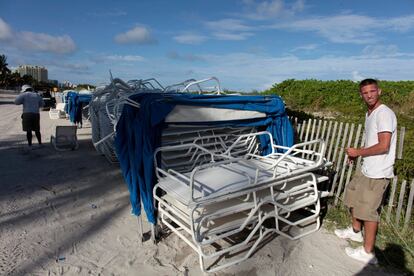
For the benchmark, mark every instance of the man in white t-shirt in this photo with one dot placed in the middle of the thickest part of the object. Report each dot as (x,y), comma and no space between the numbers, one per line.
(364,194)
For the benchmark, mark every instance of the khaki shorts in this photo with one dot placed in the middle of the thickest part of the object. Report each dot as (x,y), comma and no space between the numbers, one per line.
(364,195)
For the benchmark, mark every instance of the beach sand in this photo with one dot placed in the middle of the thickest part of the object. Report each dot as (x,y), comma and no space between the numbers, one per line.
(68,213)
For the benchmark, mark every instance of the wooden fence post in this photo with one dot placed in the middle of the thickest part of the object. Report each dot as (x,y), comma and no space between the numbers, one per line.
(400,202)
(328,157)
(344,164)
(391,198)
(358,165)
(351,165)
(302,130)
(338,164)
(307,135)
(409,206)
(338,139)
(401,143)
(318,131)
(313,130)
(327,139)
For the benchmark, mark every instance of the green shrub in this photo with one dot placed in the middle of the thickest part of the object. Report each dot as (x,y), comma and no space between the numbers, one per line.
(341,97)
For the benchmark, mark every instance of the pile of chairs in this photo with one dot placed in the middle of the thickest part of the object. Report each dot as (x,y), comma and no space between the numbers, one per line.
(106,107)
(215,187)
(222,197)
(107,102)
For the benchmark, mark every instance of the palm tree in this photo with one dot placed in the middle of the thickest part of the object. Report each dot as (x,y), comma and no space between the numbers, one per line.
(4,71)
(3,66)
(14,80)
(27,79)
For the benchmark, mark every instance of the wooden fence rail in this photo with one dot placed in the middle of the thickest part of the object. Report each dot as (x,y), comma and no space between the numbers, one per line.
(338,136)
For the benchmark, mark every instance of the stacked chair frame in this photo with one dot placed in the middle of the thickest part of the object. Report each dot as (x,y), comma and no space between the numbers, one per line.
(227,189)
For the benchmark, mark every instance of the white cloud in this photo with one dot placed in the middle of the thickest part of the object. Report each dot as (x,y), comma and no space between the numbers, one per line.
(190,38)
(80,68)
(77,70)
(402,24)
(248,71)
(137,35)
(229,29)
(273,9)
(5,30)
(228,25)
(113,59)
(340,28)
(36,42)
(270,8)
(349,28)
(308,47)
(127,58)
(381,50)
(45,42)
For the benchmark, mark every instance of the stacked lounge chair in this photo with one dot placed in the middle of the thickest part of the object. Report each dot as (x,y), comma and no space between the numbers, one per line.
(223,187)
(106,107)
(220,171)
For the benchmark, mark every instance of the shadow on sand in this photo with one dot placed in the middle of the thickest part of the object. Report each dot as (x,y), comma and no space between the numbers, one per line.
(392,259)
(54,191)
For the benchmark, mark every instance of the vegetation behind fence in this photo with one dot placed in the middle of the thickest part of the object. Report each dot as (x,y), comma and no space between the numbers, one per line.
(338,136)
(313,101)
(340,100)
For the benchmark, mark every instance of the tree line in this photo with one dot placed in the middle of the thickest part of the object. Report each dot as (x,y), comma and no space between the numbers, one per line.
(13,80)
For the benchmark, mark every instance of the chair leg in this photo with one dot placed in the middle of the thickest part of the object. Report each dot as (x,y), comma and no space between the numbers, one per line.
(140,230)
(153,233)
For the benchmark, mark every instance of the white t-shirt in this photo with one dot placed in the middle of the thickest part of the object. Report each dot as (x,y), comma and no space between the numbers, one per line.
(382,119)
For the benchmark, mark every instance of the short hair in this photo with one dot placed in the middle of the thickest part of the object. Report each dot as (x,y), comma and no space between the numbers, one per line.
(367,82)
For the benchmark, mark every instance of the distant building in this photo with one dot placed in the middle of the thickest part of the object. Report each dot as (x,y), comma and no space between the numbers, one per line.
(67,83)
(38,73)
(55,82)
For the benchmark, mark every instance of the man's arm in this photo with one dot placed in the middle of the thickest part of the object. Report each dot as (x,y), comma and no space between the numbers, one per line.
(383,146)
(41,102)
(19,99)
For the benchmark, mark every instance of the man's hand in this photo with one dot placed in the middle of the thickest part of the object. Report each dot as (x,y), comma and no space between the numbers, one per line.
(352,153)
(383,146)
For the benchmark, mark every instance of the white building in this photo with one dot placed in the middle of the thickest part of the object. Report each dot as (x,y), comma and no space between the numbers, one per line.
(38,73)
(67,83)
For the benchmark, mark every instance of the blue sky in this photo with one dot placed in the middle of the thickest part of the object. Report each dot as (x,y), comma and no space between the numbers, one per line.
(247,44)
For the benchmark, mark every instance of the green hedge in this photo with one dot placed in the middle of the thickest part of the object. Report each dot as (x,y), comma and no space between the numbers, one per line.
(341,99)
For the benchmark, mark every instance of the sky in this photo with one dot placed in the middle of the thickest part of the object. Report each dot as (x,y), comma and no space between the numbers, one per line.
(247,44)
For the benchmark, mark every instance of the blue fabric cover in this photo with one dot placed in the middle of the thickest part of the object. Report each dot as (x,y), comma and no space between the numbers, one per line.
(67,99)
(139,134)
(74,104)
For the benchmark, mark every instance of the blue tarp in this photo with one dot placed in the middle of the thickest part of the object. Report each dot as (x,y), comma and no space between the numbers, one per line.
(67,97)
(139,134)
(74,105)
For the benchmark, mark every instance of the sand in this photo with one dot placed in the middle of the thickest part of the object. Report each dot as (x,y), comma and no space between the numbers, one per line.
(68,213)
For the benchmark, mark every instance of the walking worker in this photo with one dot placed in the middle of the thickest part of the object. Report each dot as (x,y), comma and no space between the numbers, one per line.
(32,102)
(364,194)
